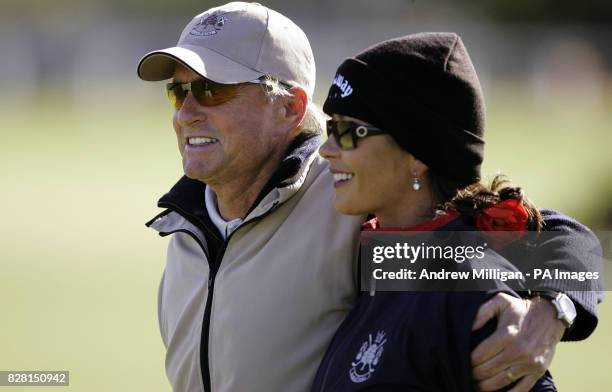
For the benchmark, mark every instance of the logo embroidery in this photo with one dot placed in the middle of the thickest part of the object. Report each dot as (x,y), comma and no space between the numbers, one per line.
(209,25)
(343,85)
(367,358)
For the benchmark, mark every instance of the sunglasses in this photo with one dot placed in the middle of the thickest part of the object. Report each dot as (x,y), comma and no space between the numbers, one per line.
(347,132)
(206,92)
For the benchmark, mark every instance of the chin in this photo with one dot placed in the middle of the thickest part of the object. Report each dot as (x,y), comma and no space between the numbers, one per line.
(195,170)
(348,208)
(194,174)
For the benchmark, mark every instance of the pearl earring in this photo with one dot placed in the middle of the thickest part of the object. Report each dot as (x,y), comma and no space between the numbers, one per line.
(416,184)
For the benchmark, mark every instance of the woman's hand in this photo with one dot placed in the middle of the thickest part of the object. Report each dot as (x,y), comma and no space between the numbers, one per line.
(522,346)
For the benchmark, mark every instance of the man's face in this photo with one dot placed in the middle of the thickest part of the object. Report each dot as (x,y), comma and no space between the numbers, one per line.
(231,142)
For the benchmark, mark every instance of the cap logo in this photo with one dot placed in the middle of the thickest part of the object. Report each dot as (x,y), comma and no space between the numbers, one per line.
(343,85)
(209,25)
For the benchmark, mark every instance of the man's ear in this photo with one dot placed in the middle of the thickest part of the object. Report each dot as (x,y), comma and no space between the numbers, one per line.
(295,107)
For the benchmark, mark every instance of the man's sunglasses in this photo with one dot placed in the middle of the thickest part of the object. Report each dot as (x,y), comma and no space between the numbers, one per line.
(347,132)
(206,92)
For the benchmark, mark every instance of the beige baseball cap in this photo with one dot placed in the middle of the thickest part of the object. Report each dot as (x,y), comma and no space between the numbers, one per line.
(235,43)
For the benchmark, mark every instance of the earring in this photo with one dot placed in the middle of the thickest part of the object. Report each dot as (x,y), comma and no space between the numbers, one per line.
(416,184)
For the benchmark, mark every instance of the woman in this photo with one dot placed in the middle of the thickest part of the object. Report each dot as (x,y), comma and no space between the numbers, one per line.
(406,145)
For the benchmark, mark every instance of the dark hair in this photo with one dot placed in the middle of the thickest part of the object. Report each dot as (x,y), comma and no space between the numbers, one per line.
(470,200)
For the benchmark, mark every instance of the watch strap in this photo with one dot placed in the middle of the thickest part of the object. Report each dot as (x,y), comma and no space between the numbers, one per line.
(567,318)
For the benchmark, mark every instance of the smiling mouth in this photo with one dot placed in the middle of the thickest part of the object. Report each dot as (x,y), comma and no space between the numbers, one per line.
(201,141)
(340,178)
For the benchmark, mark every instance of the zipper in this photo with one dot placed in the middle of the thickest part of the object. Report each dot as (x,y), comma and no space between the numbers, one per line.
(204,337)
(214,268)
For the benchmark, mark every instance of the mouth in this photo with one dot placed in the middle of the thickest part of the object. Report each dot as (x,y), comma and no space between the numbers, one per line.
(341,178)
(201,141)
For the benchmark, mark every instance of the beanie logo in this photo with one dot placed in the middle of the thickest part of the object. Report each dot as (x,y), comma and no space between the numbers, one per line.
(209,25)
(343,85)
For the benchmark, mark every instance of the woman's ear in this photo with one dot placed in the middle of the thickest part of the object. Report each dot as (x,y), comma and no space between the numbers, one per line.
(417,168)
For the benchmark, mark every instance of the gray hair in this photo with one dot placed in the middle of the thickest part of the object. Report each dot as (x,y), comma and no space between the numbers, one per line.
(314,118)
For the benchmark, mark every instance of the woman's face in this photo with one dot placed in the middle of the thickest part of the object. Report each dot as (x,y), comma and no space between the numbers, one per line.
(370,178)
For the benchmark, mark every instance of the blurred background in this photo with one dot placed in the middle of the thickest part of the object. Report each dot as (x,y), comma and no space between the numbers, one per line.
(86,149)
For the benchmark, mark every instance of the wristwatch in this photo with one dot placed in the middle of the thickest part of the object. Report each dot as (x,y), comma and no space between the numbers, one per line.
(566,311)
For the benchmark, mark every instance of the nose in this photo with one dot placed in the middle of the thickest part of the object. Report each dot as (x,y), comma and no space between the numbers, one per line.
(190,112)
(329,150)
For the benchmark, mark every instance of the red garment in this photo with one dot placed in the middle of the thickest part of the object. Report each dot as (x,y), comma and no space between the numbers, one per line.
(438,221)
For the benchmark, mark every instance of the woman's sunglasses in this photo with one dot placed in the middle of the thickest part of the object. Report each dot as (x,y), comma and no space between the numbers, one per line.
(347,132)
(206,92)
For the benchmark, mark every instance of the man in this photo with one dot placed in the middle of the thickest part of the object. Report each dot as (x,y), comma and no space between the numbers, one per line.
(259,271)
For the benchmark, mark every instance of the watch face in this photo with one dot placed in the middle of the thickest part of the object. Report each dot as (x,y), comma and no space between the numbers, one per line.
(567,310)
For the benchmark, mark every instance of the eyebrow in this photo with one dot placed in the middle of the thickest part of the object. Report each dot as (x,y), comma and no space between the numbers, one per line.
(180,80)
(175,80)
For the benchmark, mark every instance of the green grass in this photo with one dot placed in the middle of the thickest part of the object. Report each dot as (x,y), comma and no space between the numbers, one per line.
(80,271)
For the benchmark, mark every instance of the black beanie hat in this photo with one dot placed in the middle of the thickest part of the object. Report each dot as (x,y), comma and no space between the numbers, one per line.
(423,90)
